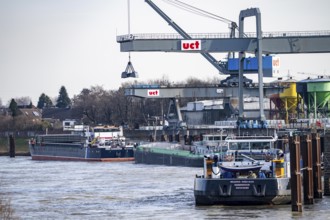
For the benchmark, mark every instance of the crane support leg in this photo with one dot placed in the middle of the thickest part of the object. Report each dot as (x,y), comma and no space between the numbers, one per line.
(243,14)
(174,117)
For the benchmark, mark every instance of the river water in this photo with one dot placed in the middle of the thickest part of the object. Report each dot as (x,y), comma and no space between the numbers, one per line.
(95,190)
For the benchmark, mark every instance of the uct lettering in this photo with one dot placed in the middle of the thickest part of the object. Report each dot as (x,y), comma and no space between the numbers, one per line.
(191,45)
(153,92)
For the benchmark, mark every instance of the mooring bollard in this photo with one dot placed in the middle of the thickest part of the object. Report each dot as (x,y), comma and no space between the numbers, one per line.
(11,146)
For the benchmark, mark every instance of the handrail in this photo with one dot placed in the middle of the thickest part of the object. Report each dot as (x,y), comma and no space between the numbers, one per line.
(171,36)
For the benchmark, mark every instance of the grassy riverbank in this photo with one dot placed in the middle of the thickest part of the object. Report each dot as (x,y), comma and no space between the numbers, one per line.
(21,145)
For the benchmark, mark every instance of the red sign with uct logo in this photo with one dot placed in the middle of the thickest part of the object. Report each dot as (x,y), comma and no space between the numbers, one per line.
(153,92)
(191,45)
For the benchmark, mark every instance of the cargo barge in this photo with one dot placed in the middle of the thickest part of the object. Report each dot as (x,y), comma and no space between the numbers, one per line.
(177,154)
(103,143)
(167,154)
(255,174)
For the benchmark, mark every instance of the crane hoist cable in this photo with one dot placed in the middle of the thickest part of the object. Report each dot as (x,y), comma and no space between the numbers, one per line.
(198,11)
(184,6)
(129,71)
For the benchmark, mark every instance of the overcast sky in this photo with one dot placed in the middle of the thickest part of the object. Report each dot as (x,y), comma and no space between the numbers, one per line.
(46,44)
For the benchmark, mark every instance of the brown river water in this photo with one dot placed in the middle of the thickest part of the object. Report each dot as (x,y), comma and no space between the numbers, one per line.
(94,190)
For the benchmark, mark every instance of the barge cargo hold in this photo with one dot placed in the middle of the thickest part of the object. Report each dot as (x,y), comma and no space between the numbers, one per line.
(177,154)
(101,144)
(79,152)
(147,154)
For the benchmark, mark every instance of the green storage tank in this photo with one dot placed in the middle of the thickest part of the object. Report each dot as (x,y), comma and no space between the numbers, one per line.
(316,95)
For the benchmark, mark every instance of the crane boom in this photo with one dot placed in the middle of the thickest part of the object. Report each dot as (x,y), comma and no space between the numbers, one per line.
(219,66)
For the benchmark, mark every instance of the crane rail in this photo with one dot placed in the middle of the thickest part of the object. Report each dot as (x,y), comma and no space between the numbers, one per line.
(174,36)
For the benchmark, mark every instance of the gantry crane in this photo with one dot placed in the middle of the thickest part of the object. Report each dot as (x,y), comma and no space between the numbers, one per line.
(259,44)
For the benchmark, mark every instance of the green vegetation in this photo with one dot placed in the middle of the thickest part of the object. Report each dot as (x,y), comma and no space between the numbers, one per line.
(63,100)
(13,108)
(6,211)
(44,101)
(95,105)
(21,145)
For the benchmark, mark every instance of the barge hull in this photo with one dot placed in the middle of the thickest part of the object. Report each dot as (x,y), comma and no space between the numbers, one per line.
(57,158)
(242,191)
(168,159)
(76,152)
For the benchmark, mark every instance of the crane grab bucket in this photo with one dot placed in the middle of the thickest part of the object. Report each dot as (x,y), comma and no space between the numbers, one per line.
(129,71)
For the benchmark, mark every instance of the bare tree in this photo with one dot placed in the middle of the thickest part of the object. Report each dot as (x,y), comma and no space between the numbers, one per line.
(92,103)
(100,106)
(23,101)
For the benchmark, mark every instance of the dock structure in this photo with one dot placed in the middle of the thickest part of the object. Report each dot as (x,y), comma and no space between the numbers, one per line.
(326,161)
(261,45)
(317,169)
(12,148)
(296,184)
(306,153)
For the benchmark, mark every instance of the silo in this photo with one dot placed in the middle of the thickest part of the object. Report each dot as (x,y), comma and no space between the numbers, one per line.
(286,102)
(316,96)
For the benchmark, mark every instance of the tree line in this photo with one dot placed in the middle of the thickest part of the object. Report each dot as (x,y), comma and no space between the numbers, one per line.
(96,105)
